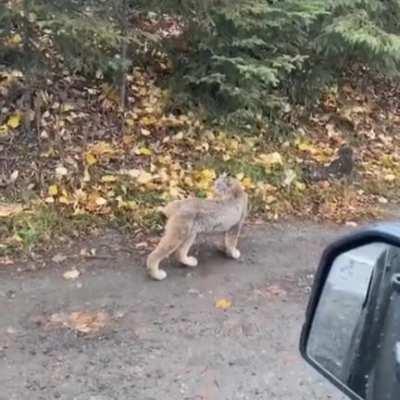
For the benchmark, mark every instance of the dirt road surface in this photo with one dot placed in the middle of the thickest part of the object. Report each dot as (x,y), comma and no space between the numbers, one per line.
(163,340)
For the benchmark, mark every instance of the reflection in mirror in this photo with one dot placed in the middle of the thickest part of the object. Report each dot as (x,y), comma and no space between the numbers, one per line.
(356,327)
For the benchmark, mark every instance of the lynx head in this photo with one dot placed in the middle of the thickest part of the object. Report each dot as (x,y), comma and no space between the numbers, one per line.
(226,186)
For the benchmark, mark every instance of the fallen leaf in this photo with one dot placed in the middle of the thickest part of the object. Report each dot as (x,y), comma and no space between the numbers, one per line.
(304,145)
(6,261)
(300,185)
(270,159)
(143,151)
(351,224)
(90,159)
(383,200)
(270,199)
(61,171)
(72,274)
(142,245)
(3,130)
(144,178)
(14,121)
(101,148)
(223,304)
(272,291)
(15,39)
(59,258)
(390,177)
(53,190)
(205,178)
(86,175)
(101,201)
(290,176)
(66,107)
(145,132)
(13,176)
(82,321)
(8,210)
(109,178)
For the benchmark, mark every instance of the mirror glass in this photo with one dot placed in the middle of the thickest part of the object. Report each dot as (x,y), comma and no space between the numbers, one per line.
(355,333)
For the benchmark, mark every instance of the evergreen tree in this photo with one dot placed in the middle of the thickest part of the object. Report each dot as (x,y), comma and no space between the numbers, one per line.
(253,56)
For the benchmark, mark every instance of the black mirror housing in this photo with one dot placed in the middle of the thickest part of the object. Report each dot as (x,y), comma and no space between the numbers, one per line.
(387,234)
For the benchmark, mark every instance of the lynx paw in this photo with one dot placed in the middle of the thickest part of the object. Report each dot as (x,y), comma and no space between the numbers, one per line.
(234,253)
(158,274)
(190,261)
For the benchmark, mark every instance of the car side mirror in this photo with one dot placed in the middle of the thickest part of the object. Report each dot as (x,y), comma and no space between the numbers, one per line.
(352,330)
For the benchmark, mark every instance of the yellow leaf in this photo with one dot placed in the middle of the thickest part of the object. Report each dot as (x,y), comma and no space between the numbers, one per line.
(14,121)
(65,200)
(144,178)
(390,177)
(130,122)
(204,178)
(15,39)
(90,159)
(143,151)
(66,107)
(148,120)
(270,159)
(270,199)
(53,190)
(3,130)
(300,185)
(7,210)
(131,204)
(223,304)
(101,148)
(304,145)
(247,183)
(109,178)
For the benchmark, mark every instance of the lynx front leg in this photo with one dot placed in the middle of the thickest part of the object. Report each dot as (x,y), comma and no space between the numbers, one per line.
(231,239)
(169,243)
(182,252)
(176,231)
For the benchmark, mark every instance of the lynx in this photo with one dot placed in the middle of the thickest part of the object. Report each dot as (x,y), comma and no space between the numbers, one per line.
(225,213)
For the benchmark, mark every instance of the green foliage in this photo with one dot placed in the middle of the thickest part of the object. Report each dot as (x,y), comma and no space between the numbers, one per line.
(243,60)
(255,56)
(86,36)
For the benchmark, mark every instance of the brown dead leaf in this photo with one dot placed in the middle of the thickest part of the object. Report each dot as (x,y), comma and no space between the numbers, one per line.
(8,210)
(71,274)
(59,258)
(82,321)
(6,261)
(272,291)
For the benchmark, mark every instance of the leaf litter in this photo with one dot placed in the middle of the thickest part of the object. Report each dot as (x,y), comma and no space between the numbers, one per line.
(94,168)
(81,321)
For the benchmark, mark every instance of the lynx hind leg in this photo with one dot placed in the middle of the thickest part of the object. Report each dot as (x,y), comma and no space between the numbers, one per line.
(176,231)
(182,252)
(231,240)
